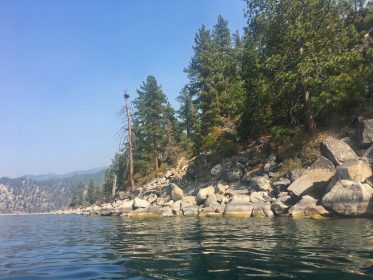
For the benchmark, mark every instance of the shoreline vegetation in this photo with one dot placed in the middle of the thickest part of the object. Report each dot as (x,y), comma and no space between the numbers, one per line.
(338,183)
(276,122)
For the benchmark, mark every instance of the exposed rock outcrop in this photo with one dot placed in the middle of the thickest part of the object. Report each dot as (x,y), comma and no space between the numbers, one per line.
(364,132)
(337,151)
(176,192)
(313,181)
(307,207)
(349,198)
(203,193)
(337,183)
(354,170)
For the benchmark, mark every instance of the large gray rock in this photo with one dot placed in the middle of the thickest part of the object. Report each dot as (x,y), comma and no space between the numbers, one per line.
(250,156)
(140,203)
(262,210)
(364,132)
(203,193)
(217,170)
(307,207)
(211,201)
(323,163)
(240,210)
(220,188)
(282,183)
(96,209)
(368,154)
(125,206)
(270,164)
(176,192)
(259,183)
(166,212)
(258,197)
(350,199)
(169,174)
(107,211)
(296,173)
(211,211)
(152,198)
(337,151)
(313,181)
(232,174)
(161,201)
(282,205)
(176,207)
(240,199)
(354,170)
(190,211)
(190,200)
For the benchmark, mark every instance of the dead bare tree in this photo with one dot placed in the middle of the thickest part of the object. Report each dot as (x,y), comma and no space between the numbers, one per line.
(129,138)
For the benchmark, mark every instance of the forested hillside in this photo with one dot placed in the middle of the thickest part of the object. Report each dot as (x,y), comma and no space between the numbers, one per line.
(24,195)
(299,67)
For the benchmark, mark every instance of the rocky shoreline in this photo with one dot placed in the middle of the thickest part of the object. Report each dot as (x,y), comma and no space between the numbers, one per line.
(338,183)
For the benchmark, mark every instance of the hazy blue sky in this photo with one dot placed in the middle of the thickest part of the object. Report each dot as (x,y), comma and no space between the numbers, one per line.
(64,65)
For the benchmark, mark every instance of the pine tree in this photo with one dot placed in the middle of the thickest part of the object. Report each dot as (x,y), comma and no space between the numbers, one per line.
(308,63)
(91,197)
(200,73)
(150,122)
(214,73)
(187,112)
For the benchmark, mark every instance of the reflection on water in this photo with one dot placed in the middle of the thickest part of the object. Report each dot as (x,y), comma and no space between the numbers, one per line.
(78,247)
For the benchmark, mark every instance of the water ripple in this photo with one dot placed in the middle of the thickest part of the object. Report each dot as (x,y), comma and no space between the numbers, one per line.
(78,247)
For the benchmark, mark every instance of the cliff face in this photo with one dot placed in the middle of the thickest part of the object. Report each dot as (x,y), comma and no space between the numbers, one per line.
(24,195)
(30,197)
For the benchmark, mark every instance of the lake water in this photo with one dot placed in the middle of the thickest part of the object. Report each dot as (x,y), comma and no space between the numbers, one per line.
(80,247)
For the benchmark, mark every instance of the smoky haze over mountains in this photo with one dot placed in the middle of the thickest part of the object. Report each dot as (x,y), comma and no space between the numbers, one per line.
(50,176)
(43,193)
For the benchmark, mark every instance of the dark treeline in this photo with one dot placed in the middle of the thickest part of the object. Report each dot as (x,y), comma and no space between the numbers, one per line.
(297,64)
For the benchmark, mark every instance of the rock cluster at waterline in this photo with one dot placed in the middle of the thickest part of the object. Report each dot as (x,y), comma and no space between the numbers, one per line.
(338,183)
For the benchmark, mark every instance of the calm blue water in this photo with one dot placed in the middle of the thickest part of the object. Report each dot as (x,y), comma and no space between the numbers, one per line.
(79,247)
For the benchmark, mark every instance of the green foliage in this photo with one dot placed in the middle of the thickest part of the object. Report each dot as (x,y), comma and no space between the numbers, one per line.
(214,74)
(84,194)
(295,49)
(282,134)
(91,195)
(78,196)
(298,63)
(187,113)
(154,126)
(220,141)
(118,168)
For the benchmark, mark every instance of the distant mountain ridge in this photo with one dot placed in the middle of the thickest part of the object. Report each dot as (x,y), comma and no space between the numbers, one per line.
(50,176)
(46,192)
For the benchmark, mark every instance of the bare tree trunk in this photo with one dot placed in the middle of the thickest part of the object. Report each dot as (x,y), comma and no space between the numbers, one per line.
(309,119)
(155,158)
(126,96)
(113,191)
